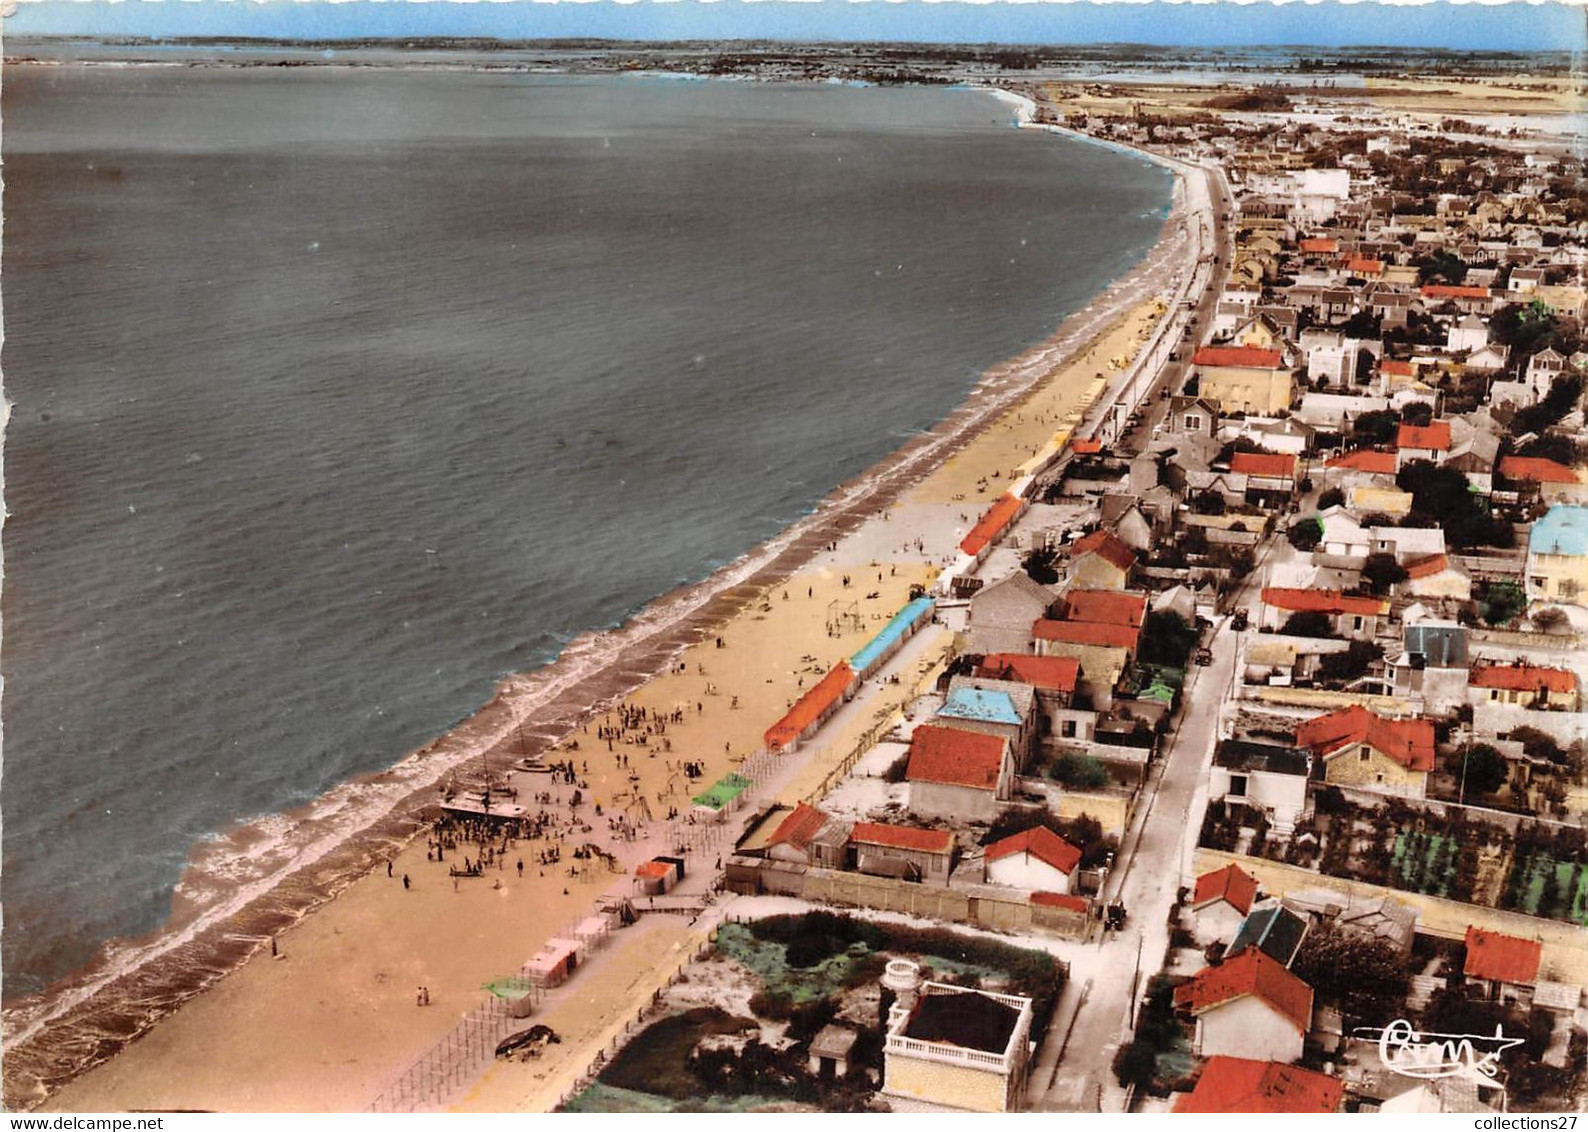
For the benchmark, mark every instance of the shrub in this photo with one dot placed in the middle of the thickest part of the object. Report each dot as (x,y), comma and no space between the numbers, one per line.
(1083,772)
(818,935)
(1308,623)
(1334,497)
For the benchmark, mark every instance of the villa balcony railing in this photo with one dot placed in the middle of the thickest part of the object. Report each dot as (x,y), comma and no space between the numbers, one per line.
(949,1055)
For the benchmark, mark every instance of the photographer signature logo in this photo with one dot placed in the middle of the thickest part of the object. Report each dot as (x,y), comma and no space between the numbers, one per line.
(1429,1056)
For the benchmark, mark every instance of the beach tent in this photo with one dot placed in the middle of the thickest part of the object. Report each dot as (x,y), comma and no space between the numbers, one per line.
(592,931)
(553,963)
(655,877)
(992,525)
(724,794)
(812,710)
(893,635)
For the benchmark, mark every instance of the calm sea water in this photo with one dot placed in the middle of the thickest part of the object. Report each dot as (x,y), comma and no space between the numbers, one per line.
(340,393)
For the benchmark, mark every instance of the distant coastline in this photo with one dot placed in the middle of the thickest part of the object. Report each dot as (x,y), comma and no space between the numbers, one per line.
(47,1034)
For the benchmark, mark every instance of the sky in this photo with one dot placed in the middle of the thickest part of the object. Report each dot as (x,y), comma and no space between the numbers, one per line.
(1514,26)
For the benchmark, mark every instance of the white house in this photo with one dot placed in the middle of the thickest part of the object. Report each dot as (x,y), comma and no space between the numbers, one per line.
(1471,333)
(1036,859)
(1264,776)
(1220,901)
(1248,1006)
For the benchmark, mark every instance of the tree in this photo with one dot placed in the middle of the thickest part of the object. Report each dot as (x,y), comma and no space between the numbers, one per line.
(1208,503)
(1499,602)
(1304,534)
(1538,744)
(1551,620)
(1308,623)
(1333,497)
(1376,427)
(1381,571)
(1564,393)
(1166,639)
(1357,658)
(1442,497)
(1484,770)
(1418,413)
(1443,267)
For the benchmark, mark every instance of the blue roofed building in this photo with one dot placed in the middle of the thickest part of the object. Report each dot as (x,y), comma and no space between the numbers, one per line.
(1557,555)
(1004,708)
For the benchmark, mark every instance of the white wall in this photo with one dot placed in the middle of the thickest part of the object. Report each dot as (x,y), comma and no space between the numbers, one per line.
(1022,870)
(1248,1027)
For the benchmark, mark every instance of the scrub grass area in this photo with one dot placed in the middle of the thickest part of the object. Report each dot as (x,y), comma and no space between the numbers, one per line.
(736,1030)
(609,1098)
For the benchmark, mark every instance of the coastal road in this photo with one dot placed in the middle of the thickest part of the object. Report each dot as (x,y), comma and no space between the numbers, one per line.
(1173,374)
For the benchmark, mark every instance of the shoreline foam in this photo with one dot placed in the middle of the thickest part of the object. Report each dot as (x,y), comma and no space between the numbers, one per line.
(86,1018)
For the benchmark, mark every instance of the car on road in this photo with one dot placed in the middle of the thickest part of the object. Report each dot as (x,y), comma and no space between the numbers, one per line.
(1204,657)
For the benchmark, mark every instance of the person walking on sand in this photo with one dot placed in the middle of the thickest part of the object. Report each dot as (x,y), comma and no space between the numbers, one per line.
(388,868)
(405,882)
(521,869)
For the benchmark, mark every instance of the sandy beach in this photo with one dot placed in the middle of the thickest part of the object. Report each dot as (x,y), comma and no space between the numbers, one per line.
(338,995)
(339,1000)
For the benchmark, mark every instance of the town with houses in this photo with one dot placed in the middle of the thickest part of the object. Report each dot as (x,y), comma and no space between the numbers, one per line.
(1237,755)
(1264,719)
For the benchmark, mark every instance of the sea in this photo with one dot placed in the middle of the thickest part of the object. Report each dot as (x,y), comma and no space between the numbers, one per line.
(337,393)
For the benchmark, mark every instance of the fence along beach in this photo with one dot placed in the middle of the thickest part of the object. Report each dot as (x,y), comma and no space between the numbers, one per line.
(345,838)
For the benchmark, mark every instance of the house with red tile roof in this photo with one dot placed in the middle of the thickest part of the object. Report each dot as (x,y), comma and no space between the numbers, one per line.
(1105,607)
(1250,1006)
(1370,460)
(958,773)
(1429,442)
(1525,685)
(1220,902)
(1054,679)
(1552,482)
(902,852)
(1055,675)
(1434,575)
(1244,379)
(1319,245)
(1238,1084)
(1101,560)
(1272,465)
(1371,752)
(801,835)
(1350,615)
(1036,859)
(1536,469)
(1102,651)
(1504,964)
(1468,300)
(1367,268)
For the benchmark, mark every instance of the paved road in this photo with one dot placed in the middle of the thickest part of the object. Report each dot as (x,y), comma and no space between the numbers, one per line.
(1146,882)
(1173,375)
